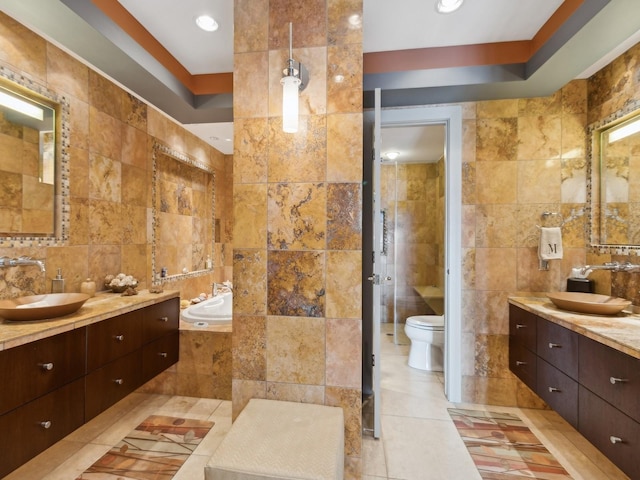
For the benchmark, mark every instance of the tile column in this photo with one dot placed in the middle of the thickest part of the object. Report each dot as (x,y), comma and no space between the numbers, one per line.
(297,237)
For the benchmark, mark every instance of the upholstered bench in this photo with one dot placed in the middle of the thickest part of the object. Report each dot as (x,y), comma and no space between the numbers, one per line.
(273,439)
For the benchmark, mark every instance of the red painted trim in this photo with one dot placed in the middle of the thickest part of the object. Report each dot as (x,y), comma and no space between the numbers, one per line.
(501,53)
(197,84)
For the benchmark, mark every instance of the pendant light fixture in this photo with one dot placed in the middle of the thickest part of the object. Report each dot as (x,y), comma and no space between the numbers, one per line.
(295,80)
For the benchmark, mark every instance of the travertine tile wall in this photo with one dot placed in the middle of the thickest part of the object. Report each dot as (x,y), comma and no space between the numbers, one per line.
(297,210)
(521,157)
(412,196)
(111,135)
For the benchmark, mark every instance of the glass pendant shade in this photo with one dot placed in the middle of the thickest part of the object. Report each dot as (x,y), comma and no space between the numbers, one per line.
(290,91)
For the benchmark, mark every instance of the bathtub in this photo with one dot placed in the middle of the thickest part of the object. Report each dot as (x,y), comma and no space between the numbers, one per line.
(213,311)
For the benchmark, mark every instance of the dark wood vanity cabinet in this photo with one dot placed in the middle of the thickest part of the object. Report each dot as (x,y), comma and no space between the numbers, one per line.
(35,426)
(54,385)
(113,338)
(522,345)
(32,370)
(557,351)
(42,395)
(128,350)
(609,404)
(594,387)
(160,338)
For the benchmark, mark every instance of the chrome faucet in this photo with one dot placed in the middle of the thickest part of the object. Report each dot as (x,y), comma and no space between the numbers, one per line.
(21,261)
(215,286)
(612,266)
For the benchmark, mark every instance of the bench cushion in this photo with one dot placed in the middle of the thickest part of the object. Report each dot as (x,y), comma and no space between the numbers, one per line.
(273,439)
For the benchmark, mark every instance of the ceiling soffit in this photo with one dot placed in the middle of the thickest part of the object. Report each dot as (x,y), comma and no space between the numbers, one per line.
(105,35)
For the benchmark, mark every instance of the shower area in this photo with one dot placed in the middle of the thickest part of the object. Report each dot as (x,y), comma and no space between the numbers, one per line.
(412,188)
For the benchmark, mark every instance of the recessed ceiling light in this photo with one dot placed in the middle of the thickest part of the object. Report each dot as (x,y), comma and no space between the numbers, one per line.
(392,155)
(448,6)
(207,23)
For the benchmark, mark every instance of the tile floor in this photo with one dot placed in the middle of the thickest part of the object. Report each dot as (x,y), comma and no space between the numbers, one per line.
(420,442)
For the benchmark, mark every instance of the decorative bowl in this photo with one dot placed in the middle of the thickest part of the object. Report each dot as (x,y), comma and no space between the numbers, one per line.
(122,288)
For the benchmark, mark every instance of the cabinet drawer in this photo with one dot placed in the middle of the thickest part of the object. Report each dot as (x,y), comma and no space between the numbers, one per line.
(160,319)
(26,431)
(32,370)
(559,391)
(522,327)
(558,346)
(112,382)
(159,355)
(602,424)
(110,339)
(612,375)
(522,363)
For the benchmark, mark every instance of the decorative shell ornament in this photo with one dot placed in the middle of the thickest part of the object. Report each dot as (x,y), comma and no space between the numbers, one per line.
(121,283)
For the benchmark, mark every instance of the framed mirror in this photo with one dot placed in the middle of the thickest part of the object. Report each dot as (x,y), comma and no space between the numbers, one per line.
(34,126)
(614,182)
(183,211)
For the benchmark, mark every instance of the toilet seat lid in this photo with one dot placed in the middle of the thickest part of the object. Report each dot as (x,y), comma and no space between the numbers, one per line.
(431,322)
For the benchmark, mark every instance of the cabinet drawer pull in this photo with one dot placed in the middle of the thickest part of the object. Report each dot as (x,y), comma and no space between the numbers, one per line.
(163,354)
(554,389)
(164,319)
(615,380)
(519,326)
(615,440)
(47,366)
(554,345)
(46,425)
(519,363)
(119,338)
(118,381)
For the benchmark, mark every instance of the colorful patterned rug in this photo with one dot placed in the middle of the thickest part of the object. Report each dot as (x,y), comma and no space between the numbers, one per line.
(155,450)
(503,447)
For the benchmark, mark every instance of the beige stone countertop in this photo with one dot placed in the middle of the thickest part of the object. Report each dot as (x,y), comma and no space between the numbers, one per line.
(621,331)
(104,305)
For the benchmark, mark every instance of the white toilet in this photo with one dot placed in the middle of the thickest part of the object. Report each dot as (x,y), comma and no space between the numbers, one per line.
(426,333)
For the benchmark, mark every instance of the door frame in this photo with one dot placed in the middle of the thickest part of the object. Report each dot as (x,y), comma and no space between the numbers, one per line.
(451,117)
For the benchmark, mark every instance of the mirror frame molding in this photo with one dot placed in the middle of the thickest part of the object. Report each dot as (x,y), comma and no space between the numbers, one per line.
(161,149)
(630,108)
(21,84)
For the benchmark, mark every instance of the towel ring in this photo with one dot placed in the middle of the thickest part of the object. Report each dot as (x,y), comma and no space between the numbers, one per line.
(546,215)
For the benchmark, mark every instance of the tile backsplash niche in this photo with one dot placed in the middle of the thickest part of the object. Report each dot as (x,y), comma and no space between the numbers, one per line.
(111,137)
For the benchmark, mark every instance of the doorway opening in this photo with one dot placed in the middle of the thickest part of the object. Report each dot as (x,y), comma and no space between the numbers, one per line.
(412,193)
(373,277)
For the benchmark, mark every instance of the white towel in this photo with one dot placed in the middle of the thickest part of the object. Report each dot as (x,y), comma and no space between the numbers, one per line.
(550,247)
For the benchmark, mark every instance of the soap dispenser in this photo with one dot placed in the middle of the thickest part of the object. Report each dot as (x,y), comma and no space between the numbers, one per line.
(57,284)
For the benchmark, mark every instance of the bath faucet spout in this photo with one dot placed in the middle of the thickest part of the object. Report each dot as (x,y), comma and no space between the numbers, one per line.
(21,261)
(215,286)
(612,266)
